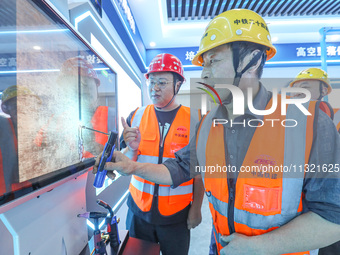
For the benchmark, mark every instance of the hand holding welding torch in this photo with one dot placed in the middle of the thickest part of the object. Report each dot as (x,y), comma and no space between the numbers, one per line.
(106,156)
(119,162)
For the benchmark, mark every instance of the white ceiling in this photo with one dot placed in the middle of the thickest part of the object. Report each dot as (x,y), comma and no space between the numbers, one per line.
(153,23)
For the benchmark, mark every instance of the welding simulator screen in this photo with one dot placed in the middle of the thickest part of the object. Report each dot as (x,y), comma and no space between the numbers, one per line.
(58,101)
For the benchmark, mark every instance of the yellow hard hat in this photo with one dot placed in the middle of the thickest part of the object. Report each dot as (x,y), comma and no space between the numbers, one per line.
(313,74)
(16,91)
(232,26)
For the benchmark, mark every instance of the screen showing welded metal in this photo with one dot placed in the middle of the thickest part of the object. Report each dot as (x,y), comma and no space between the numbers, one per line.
(55,91)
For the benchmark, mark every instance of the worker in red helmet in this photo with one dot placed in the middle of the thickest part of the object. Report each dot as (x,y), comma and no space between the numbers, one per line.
(153,133)
(78,77)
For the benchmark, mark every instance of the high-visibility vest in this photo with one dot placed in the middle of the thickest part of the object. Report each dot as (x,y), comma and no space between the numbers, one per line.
(256,202)
(326,108)
(170,201)
(336,119)
(103,120)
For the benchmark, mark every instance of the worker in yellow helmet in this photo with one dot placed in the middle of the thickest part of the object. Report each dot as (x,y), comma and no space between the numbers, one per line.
(315,80)
(258,204)
(27,100)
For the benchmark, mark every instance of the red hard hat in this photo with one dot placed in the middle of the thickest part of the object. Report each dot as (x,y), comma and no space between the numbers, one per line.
(73,65)
(165,62)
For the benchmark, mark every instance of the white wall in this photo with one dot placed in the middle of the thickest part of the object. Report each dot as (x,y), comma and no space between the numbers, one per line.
(129,94)
(118,41)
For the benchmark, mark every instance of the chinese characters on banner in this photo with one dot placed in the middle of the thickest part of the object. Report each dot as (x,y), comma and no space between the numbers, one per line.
(286,52)
(316,51)
(8,62)
(189,55)
(93,59)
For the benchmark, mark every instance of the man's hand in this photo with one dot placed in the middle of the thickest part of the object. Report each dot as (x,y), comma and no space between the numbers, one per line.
(120,163)
(131,136)
(238,244)
(194,217)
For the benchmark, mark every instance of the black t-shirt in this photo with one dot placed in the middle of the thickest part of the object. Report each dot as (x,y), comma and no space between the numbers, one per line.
(165,120)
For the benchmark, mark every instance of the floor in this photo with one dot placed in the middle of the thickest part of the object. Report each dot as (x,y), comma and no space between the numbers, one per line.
(200,236)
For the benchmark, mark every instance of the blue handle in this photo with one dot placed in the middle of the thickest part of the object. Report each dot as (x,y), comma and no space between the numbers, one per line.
(100,176)
(106,157)
(114,234)
(110,157)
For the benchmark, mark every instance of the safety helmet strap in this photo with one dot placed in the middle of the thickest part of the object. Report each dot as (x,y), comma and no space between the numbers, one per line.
(173,97)
(321,90)
(236,62)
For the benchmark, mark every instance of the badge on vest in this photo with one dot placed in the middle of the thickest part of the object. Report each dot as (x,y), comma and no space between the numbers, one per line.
(262,199)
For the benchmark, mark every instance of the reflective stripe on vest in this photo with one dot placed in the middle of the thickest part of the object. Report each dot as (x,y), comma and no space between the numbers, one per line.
(220,244)
(267,202)
(170,201)
(143,187)
(163,190)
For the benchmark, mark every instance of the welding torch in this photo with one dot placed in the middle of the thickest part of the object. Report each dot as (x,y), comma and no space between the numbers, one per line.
(106,157)
(112,226)
(99,245)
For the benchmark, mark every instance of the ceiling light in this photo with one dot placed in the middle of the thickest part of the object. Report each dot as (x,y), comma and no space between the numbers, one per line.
(152,44)
(37,47)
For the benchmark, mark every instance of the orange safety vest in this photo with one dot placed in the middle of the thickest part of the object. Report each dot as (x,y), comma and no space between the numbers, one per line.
(100,122)
(326,108)
(170,201)
(256,202)
(336,119)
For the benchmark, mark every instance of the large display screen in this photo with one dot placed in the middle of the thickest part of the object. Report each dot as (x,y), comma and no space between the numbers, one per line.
(58,100)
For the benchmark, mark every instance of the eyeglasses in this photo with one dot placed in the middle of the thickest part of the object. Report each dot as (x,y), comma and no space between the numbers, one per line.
(161,83)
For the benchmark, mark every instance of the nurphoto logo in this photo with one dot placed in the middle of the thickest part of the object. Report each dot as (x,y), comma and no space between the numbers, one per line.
(238,103)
